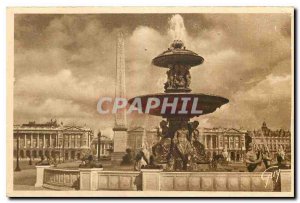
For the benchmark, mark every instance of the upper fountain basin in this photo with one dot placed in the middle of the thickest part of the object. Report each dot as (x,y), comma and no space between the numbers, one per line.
(177,54)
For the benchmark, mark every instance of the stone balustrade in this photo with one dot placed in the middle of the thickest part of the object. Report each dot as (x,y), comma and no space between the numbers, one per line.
(215,181)
(286,181)
(40,170)
(97,179)
(158,180)
(58,179)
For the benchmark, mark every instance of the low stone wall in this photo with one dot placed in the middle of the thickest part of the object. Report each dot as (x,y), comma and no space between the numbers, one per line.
(158,180)
(215,181)
(286,181)
(96,179)
(59,179)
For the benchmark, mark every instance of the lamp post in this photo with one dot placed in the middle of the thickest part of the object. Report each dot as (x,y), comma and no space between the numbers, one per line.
(30,157)
(63,145)
(18,151)
(57,145)
(99,142)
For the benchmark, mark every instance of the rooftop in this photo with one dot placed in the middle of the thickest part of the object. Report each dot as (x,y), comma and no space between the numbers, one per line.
(50,125)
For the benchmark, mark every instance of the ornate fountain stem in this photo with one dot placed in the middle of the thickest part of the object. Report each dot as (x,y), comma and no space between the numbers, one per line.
(179,79)
(179,145)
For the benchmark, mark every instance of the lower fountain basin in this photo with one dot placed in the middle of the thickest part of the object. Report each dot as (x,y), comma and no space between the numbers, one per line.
(188,105)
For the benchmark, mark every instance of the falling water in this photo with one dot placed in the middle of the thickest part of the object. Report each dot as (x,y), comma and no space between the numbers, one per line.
(176,28)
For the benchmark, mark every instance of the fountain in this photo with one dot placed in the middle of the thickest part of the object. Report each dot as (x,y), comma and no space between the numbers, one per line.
(180,146)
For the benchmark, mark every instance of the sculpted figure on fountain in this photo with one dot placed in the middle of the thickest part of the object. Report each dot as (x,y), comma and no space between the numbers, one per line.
(161,150)
(188,78)
(199,155)
(193,131)
(170,81)
(178,78)
(182,148)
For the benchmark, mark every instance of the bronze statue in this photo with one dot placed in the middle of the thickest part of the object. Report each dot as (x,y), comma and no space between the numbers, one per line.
(164,129)
(179,77)
(171,73)
(182,147)
(199,149)
(192,127)
(161,149)
(180,81)
(188,78)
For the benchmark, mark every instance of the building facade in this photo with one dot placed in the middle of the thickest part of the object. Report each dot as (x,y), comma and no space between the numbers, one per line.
(215,140)
(274,139)
(139,137)
(106,146)
(51,140)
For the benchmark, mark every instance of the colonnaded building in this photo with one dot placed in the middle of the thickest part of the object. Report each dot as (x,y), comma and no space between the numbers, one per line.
(67,142)
(51,140)
(216,140)
(106,146)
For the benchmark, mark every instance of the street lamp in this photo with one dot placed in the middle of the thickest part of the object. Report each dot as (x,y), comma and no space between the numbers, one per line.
(58,151)
(99,142)
(30,155)
(63,145)
(18,151)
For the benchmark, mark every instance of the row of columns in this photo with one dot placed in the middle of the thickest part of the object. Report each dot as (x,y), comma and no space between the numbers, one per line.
(103,148)
(236,158)
(37,137)
(38,140)
(209,145)
(69,145)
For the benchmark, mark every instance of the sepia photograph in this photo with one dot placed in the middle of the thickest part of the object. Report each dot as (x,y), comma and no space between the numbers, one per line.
(150,102)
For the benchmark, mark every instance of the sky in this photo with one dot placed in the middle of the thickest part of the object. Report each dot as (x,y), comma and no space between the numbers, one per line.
(64,63)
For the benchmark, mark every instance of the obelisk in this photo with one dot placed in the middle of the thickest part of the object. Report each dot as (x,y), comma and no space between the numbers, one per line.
(120,128)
